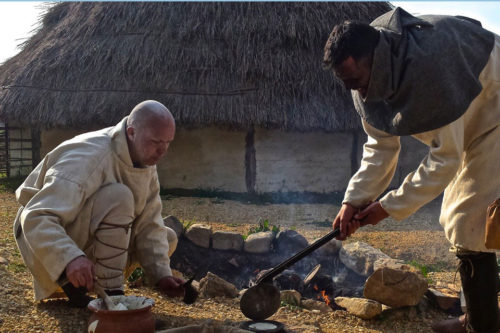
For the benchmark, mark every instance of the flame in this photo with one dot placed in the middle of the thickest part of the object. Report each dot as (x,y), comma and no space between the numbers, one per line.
(325,297)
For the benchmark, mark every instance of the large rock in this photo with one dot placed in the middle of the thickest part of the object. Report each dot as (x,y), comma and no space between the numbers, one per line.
(289,242)
(330,248)
(360,307)
(442,300)
(225,240)
(173,223)
(260,242)
(395,287)
(360,257)
(200,235)
(392,263)
(213,286)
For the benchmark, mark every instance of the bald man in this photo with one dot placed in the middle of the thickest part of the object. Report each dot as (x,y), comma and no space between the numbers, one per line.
(91,209)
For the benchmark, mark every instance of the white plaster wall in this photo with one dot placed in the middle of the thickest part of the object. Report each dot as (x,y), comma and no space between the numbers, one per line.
(208,158)
(214,159)
(52,138)
(297,162)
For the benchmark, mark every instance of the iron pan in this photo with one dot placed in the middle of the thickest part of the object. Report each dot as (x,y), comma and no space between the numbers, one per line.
(260,301)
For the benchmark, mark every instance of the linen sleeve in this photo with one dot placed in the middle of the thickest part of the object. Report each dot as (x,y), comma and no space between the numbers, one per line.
(432,176)
(378,165)
(150,238)
(44,219)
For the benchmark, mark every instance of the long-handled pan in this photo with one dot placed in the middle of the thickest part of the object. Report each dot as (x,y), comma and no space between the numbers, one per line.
(263,299)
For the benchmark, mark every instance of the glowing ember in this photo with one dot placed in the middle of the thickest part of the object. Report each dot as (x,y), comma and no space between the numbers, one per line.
(325,297)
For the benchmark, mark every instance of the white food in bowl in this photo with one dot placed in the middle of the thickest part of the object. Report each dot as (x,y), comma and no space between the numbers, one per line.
(128,302)
(262,326)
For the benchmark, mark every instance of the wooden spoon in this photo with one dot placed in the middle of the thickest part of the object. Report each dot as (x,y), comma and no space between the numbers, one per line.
(107,300)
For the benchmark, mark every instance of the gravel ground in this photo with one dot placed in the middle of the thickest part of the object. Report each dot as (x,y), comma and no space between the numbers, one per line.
(305,216)
(418,239)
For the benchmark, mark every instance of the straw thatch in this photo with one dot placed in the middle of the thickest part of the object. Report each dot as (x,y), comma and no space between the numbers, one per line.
(219,63)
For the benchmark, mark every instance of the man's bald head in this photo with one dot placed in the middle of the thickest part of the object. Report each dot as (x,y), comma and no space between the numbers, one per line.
(149,111)
(150,129)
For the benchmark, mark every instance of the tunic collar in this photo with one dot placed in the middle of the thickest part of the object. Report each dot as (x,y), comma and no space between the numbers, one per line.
(425,72)
(120,145)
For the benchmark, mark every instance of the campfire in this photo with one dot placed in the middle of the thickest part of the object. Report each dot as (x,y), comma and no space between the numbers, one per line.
(309,273)
(267,270)
(323,295)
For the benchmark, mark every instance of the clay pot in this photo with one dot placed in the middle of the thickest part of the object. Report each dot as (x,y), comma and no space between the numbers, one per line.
(138,318)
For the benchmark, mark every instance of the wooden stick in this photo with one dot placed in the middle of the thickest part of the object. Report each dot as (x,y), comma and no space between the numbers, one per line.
(107,300)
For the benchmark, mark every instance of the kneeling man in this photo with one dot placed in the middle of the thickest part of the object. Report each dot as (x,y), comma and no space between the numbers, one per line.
(91,210)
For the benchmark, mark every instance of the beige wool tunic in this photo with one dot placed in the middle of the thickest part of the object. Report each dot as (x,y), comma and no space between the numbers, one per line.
(463,161)
(53,195)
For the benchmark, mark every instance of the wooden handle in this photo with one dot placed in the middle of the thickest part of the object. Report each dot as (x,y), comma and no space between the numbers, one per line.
(107,300)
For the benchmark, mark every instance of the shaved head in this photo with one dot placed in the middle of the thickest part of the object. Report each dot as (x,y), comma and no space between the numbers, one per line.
(150,129)
(148,111)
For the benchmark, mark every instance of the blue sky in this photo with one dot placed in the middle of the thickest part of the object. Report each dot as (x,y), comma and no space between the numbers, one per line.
(488,12)
(18,18)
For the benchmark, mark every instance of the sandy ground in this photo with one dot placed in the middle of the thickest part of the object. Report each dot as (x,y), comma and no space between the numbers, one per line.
(288,215)
(416,239)
(419,238)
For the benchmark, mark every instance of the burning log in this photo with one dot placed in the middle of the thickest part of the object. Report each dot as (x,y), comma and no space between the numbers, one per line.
(289,280)
(318,283)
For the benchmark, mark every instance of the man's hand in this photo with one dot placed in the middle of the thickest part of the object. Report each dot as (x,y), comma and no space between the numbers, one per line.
(172,286)
(372,214)
(345,221)
(80,272)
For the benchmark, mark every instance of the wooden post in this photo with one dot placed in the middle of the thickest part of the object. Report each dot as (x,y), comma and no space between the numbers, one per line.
(250,161)
(35,146)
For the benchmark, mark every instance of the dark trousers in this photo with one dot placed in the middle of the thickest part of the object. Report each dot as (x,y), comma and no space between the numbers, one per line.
(480,282)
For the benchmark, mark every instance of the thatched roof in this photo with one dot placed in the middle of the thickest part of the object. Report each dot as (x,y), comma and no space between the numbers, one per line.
(235,64)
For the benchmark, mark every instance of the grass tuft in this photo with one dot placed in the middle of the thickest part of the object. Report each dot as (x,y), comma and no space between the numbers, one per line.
(264,226)
(10,184)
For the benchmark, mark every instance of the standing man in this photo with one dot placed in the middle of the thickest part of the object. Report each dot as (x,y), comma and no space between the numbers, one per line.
(92,208)
(436,78)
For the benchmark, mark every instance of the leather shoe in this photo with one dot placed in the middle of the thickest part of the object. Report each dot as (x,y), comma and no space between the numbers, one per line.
(454,325)
(78,297)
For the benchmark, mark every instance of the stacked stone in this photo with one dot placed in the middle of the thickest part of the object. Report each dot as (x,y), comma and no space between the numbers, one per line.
(389,282)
